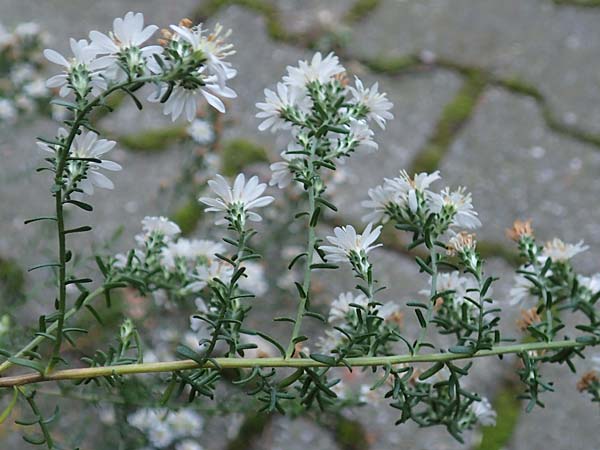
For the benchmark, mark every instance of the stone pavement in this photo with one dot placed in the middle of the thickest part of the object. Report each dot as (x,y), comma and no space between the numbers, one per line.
(502,96)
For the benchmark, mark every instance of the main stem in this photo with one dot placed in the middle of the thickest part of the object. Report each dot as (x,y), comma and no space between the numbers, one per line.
(307,274)
(432,299)
(237,363)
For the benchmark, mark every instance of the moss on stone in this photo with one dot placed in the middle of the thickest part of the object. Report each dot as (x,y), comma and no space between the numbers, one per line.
(393,66)
(489,249)
(188,216)
(508,408)
(239,153)
(360,9)
(350,434)
(12,281)
(581,3)
(152,140)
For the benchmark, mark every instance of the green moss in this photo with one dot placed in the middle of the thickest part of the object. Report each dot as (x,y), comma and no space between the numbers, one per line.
(152,140)
(393,66)
(350,434)
(113,102)
(12,281)
(239,153)
(489,249)
(508,408)
(188,216)
(360,9)
(454,116)
(252,428)
(582,3)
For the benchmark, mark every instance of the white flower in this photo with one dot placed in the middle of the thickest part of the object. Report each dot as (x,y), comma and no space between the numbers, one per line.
(559,251)
(89,146)
(390,312)
(591,283)
(460,205)
(275,106)
(484,412)
(282,175)
(380,200)
(319,69)
(160,435)
(185,423)
(328,342)
(212,46)
(83,59)
(188,444)
(522,287)
(347,243)
(206,274)
(242,197)
(152,225)
(36,88)
(201,131)
(376,103)
(185,98)
(362,135)
(407,188)
(8,112)
(190,251)
(340,307)
(125,40)
(27,30)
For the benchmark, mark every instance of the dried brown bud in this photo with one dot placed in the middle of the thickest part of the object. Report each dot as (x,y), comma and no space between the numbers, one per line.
(528,317)
(186,23)
(587,380)
(519,229)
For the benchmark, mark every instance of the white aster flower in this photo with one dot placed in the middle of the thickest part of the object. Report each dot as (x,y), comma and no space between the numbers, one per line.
(89,146)
(390,312)
(559,251)
(275,106)
(380,200)
(459,204)
(185,423)
(592,283)
(84,60)
(201,131)
(484,412)
(319,69)
(190,251)
(362,135)
(340,307)
(254,280)
(407,188)
(152,225)
(27,30)
(240,199)
(521,289)
(206,274)
(375,102)
(347,243)
(328,342)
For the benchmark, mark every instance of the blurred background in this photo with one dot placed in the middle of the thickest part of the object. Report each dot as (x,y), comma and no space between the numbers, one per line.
(501,96)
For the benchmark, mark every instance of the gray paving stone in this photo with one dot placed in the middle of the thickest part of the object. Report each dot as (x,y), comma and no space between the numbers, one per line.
(516,168)
(306,15)
(549,46)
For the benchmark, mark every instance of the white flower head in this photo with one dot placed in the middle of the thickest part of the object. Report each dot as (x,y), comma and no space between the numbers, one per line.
(409,189)
(374,102)
(560,251)
(483,412)
(457,204)
(160,226)
(238,201)
(348,245)
(340,307)
(188,444)
(8,111)
(380,200)
(206,274)
(89,146)
(84,62)
(591,283)
(522,288)
(201,131)
(276,106)
(254,279)
(319,69)
(195,251)
(361,135)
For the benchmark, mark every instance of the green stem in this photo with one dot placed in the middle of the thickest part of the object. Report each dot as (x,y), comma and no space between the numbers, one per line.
(233,363)
(39,339)
(307,273)
(432,299)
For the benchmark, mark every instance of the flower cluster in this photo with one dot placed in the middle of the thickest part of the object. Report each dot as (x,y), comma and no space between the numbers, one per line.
(22,87)
(163,428)
(189,65)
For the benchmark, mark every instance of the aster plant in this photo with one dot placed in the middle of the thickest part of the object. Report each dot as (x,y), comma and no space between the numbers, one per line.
(325,118)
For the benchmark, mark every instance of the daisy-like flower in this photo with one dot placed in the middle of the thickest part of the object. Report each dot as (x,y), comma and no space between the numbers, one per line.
(407,188)
(328,342)
(591,283)
(340,307)
(152,225)
(89,146)
(8,112)
(281,176)
(82,66)
(347,244)
(188,444)
(375,103)
(237,202)
(521,289)
(206,274)
(483,412)
(124,43)
(254,280)
(275,107)
(319,69)
(361,135)
(457,205)
(559,251)
(201,131)
(190,251)
(380,200)
(390,312)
